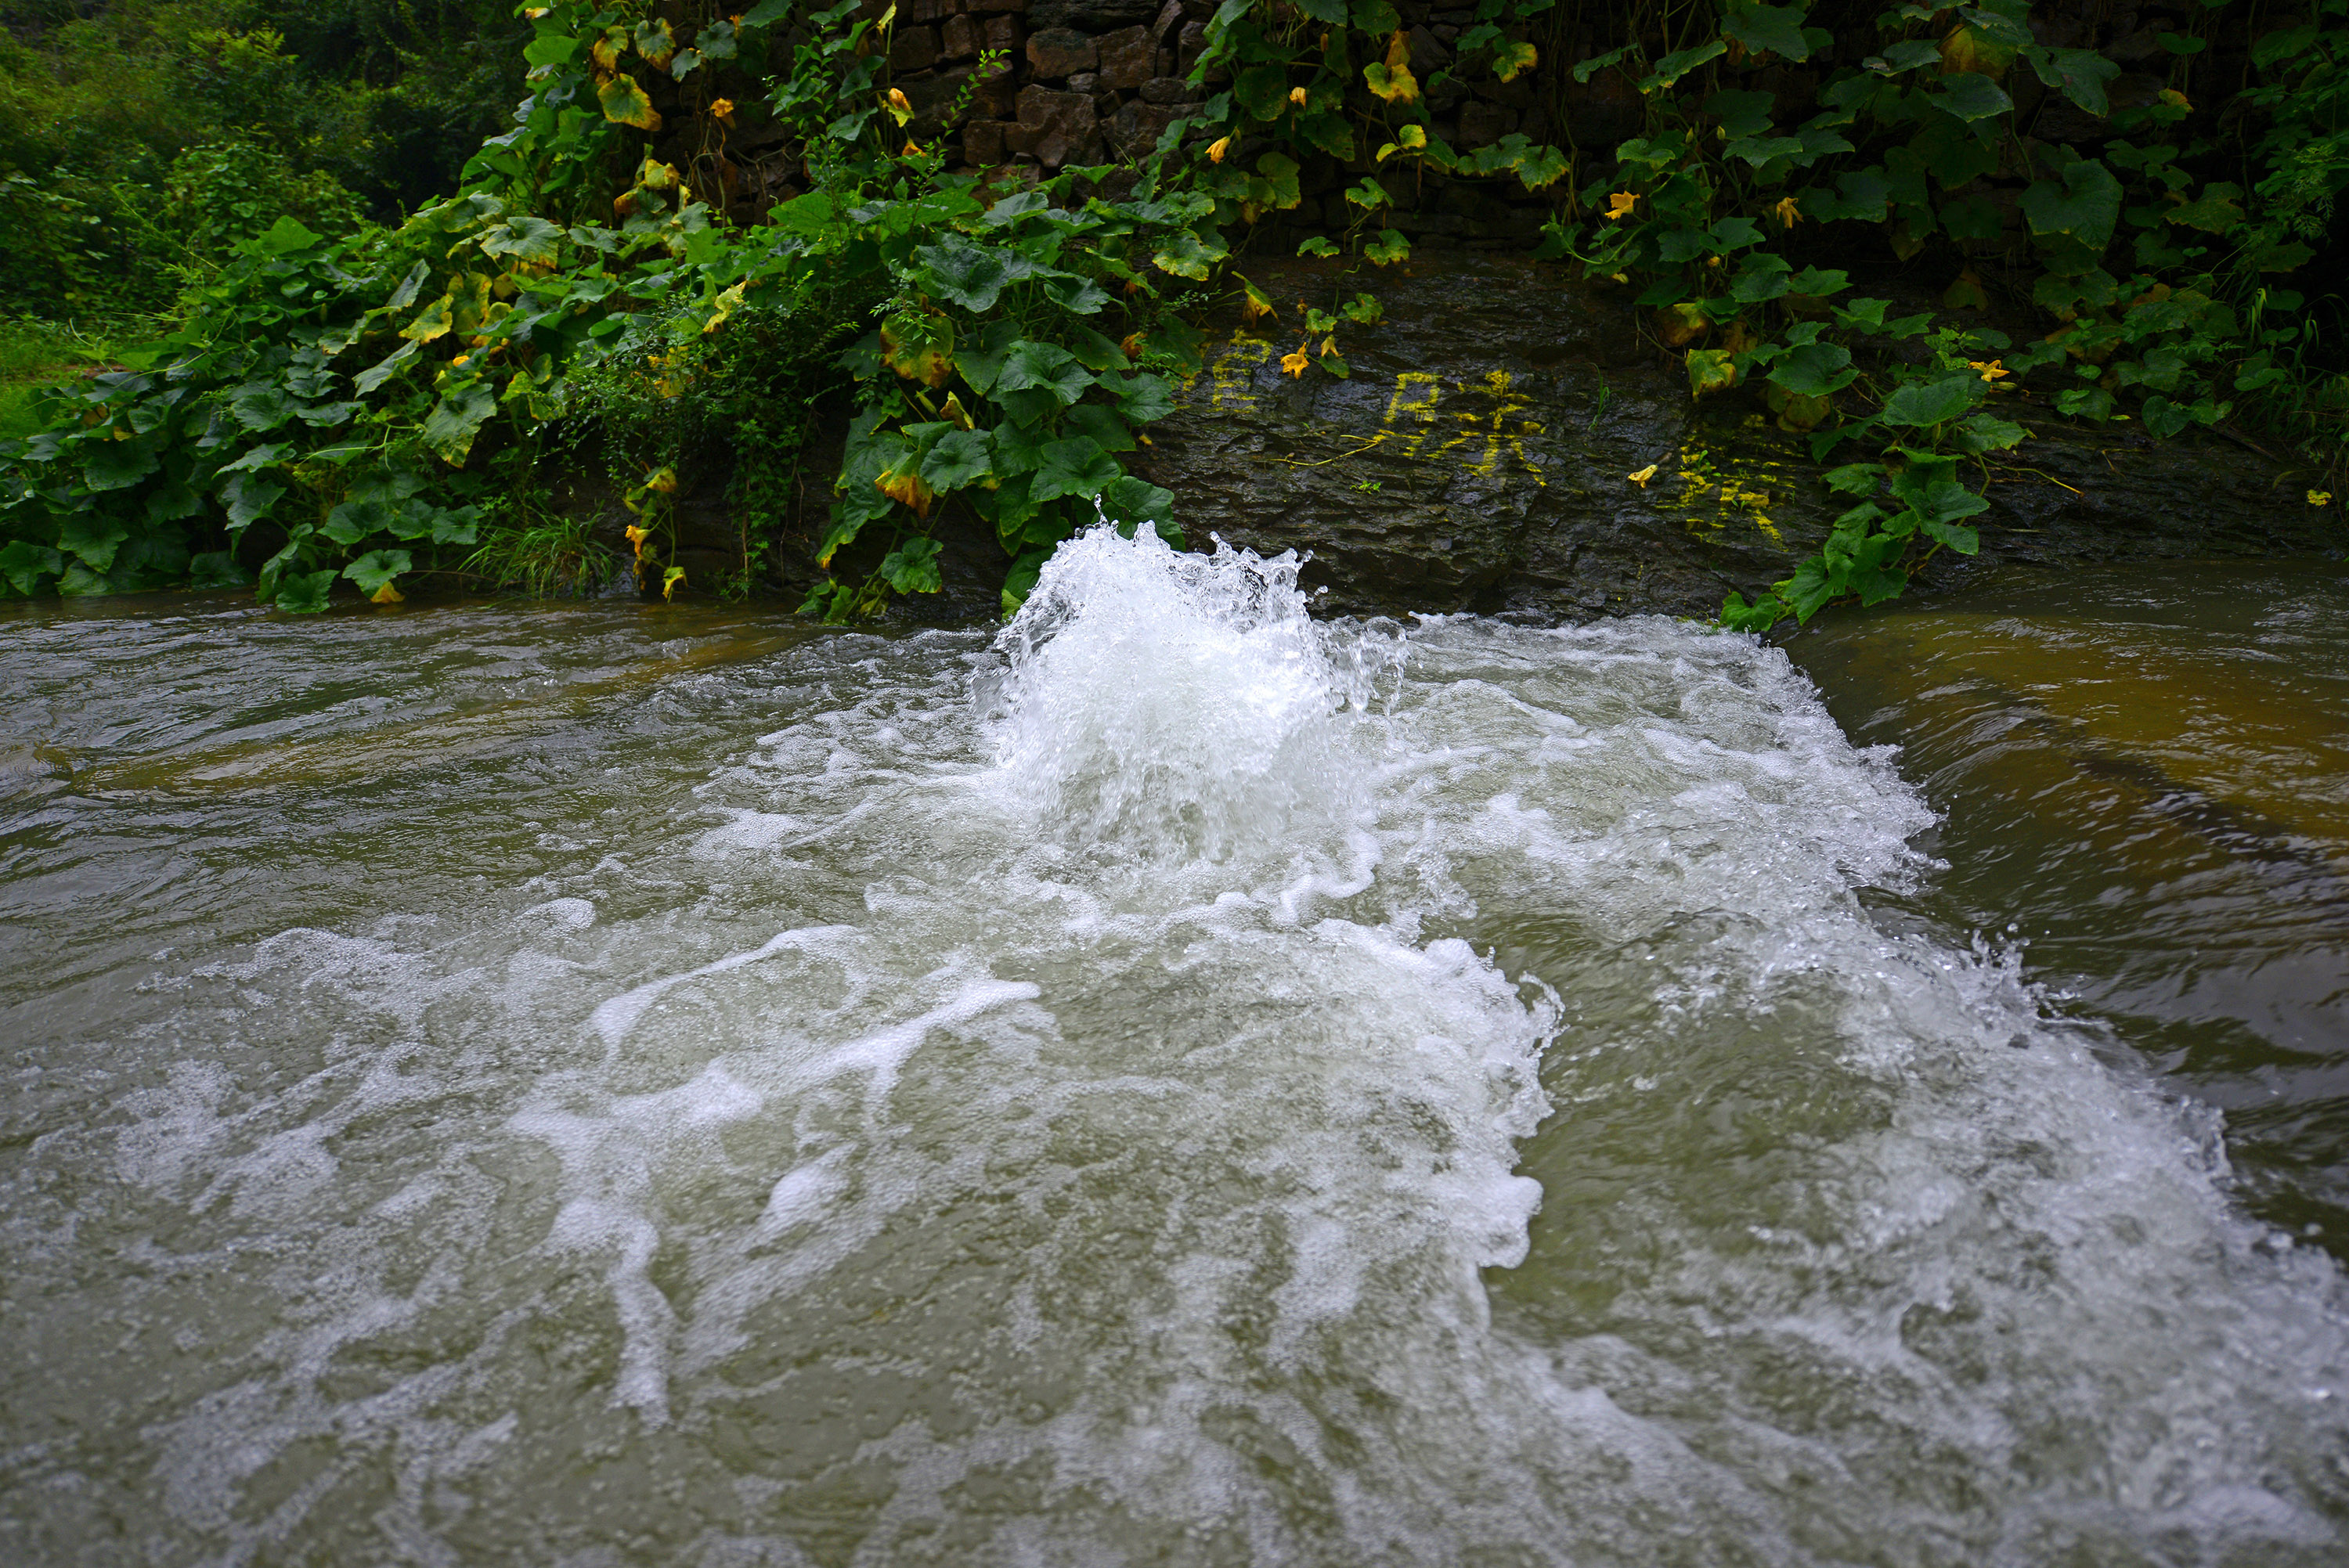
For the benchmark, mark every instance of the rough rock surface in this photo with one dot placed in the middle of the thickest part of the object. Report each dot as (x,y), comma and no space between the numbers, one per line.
(1478,458)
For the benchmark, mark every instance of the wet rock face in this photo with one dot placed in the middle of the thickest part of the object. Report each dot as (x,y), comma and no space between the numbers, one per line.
(1478,458)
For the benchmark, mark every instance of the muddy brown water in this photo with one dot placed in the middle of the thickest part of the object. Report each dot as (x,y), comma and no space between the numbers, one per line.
(1176,1084)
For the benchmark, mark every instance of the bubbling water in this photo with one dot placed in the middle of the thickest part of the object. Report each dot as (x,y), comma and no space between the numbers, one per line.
(1170,706)
(1233,1094)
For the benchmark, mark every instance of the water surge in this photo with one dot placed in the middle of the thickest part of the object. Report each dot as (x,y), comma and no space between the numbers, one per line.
(1172,1083)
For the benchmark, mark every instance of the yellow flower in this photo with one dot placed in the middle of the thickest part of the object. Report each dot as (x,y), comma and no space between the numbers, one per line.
(913,149)
(1788,212)
(1297,97)
(2320,498)
(1641,476)
(1216,151)
(1990,370)
(723,111)
(898,100)
(1295,363)
(1330,344)
(1621,203)
(636,536)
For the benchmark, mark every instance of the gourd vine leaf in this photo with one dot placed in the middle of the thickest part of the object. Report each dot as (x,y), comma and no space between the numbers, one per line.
(1924,403)
(1769,29)
(1510,59)
(375,571)
(912,566)
(1045,366)
(457,419)
(957,459)
(1075,467)
(625,103)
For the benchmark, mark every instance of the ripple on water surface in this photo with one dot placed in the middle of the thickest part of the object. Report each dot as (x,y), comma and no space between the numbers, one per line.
(1177,1086)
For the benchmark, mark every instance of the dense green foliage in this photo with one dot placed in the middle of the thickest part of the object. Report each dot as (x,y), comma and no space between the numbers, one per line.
(140,138)
(376,402)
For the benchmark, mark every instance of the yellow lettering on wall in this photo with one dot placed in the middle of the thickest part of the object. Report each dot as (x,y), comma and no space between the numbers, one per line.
(1424,409)
(1495,428)
(1234,370)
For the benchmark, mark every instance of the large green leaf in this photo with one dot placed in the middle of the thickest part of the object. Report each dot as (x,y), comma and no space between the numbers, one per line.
(1262,90)
(24,563)
(957,459)
(1814,369)
(1142,398)
(457,419)
(1770,29)
(1970,96)
(912,566)
(1076,466)
(1132,501)
(963,274)
(2083,208)
(1187,255)
(1045,366)
(1102,426)
(303,593)
(2080,73)
(376,568)
(1920,403)
(117,465)
(528,237)
(285,237)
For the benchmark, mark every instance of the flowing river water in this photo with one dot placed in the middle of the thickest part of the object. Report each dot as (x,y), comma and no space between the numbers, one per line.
(1175,1083)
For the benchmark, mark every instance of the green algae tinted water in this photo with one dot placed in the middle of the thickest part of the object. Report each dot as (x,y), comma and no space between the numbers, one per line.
(1172,1085)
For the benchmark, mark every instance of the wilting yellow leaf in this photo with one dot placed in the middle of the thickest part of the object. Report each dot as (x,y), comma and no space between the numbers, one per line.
(1393,83)
(2320,498)
(1295,363)
(606,50)
(1972,49)
(1216,151)
(637,536)
(723,306)
(662,479)
(1789,213)
(1710,370)
(1330,344)
(1254,304)
(1132,346)
(2175,98)
(625,103)
(1621,203)
(722,110)
(386,595)
(652,176)
(655,43)
(1641,476)
(1990,370)
(1682,325)
(909,488)
(1399,50)
(671,579)
(1511,59)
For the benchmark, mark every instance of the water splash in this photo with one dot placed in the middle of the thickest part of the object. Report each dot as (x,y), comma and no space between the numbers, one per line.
(1172,704)
(1220,1098)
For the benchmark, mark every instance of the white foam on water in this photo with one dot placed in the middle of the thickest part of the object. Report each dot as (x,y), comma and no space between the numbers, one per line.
(1202,1087)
